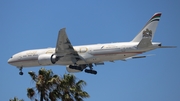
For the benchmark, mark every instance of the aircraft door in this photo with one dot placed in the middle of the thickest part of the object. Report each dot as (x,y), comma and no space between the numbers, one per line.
(83,49)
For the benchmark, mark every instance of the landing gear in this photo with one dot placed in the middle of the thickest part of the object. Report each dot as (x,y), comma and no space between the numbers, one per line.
(91,71)
(20,69)
(20,73)
(76,67)
(82,67)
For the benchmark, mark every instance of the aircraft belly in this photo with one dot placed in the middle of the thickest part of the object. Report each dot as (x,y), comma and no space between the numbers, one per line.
(64,62)
(29,63)
(88,61)
(113,57)
(97,59)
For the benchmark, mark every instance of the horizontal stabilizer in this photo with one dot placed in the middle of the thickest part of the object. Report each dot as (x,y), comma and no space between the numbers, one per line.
(168,47)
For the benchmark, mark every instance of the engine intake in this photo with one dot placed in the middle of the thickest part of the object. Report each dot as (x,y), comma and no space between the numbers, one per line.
(54,59)
(47,59)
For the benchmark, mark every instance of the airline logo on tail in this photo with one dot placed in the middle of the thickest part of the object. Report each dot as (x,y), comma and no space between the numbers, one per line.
(147,33)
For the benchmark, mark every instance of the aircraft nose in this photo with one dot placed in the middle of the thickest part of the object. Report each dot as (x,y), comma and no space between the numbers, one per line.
(9,61)
(12,61)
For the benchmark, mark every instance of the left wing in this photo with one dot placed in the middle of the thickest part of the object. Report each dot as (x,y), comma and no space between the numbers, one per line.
(64,47)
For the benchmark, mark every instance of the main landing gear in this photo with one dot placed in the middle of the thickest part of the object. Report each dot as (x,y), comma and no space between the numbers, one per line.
(83,67)
(20,69)
(91,71)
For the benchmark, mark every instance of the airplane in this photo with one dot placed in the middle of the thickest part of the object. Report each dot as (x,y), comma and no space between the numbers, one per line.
(84,57)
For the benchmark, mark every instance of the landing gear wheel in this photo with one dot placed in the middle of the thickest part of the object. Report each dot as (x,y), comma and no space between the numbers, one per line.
(90,71)
(94,72)
(20,73)
(20,69)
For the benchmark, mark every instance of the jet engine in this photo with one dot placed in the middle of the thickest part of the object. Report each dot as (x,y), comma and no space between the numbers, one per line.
(47,59)
(73,69)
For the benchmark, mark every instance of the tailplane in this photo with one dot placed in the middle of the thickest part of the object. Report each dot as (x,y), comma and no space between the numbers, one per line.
(149,29)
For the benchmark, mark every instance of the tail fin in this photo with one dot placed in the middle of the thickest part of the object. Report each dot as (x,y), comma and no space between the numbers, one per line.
(149,29)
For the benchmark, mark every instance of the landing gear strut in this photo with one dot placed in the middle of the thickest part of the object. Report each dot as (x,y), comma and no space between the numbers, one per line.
(20,69)
(91,71)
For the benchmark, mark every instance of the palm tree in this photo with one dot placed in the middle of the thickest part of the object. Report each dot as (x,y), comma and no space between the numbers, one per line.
(51,87)
(16,99)
(71,90)
(45,81)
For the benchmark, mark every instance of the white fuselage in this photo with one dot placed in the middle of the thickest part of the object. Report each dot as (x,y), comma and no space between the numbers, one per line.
(96,53)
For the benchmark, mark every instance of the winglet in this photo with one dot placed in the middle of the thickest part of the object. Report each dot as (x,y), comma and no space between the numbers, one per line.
(149,29)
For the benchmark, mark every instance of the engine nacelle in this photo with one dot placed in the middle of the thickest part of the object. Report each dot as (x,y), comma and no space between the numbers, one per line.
(47,59)
(71,69)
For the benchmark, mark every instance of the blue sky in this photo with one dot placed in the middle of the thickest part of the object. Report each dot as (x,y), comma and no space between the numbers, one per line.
(35,24)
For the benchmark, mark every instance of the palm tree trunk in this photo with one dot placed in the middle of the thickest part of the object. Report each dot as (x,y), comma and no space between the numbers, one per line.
(41,97)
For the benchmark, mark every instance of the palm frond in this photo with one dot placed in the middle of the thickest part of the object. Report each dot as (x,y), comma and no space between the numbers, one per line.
(33,75)
(30,93)
(16,99)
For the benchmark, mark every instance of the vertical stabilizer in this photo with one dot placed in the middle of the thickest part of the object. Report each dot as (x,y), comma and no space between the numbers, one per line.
(149,29)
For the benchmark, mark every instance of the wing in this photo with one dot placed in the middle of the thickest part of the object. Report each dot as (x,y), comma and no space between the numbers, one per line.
(64,47)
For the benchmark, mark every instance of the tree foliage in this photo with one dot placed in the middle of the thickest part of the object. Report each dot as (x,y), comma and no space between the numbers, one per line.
(16,99)
(51,87)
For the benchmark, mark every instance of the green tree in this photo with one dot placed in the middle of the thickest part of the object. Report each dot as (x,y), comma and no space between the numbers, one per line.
(52,87)
(16,99)
(71,90)
(45,81)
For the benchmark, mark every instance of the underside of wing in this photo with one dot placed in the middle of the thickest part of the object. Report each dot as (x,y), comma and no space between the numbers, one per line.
(64,47)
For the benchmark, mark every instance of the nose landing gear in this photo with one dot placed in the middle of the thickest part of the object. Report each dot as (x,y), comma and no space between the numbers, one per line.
(20,69)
